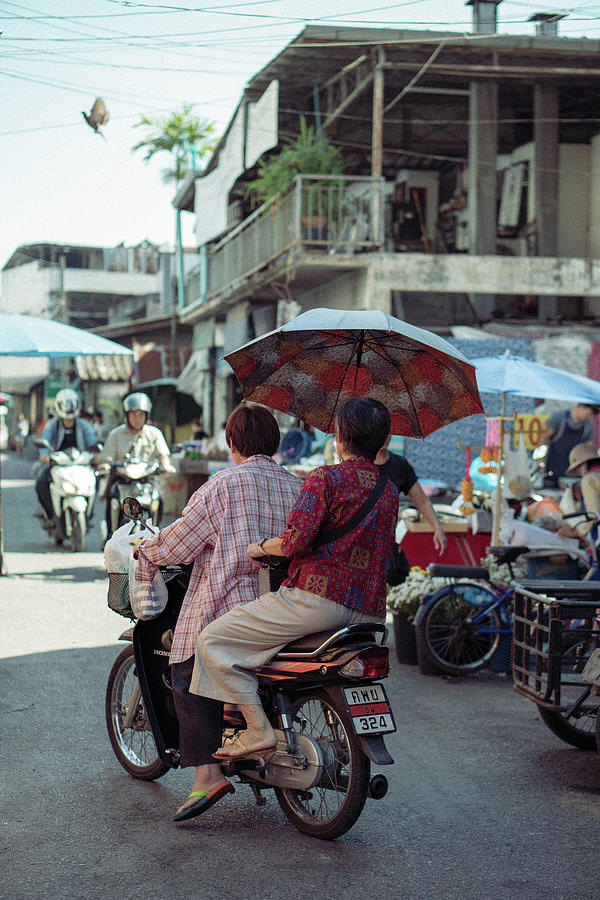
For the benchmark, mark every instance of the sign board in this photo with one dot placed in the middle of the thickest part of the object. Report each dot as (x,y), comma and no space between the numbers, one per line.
(530,426)
(52,385)
(510,202)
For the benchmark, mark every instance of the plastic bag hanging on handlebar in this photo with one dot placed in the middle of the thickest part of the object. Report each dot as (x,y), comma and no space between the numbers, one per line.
(119,547)
(147,598)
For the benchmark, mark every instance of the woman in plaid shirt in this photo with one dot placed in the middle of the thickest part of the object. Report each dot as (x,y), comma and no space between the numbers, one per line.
(234,508)
(340,583)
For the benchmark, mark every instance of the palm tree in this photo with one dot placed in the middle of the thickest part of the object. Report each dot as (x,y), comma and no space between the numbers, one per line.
(186,137)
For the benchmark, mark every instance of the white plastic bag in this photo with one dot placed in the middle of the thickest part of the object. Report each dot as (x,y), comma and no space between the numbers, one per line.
(147,599)
(119,547)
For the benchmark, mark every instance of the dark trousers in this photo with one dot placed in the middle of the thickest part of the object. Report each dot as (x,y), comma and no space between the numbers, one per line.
(200,719)
(42,487)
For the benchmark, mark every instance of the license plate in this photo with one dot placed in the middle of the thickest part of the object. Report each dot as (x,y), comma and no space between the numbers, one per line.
(369,709)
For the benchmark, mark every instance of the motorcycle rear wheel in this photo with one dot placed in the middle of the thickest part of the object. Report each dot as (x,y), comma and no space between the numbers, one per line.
(331,808)
(134,746)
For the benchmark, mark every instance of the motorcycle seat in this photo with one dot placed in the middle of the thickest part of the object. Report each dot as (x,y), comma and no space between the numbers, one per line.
(311,642)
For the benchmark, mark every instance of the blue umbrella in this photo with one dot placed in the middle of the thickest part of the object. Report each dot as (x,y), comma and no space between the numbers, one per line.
(33,336)
(522,377)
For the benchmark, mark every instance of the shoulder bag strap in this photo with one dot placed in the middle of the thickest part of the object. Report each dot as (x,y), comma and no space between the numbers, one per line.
(355,519)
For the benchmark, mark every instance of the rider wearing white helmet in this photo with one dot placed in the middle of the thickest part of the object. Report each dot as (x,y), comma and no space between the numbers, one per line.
(65,430)
(146,441)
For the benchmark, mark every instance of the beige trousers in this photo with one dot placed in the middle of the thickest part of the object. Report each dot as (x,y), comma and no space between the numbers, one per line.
(231,647)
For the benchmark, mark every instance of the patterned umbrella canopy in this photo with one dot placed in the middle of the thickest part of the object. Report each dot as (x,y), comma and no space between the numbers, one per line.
(324,357)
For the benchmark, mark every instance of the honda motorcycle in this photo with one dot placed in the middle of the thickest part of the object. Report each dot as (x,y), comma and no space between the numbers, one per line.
(322,694)
(133,477)
(72,491)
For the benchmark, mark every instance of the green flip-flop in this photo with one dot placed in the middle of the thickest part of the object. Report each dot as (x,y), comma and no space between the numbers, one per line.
(205,801)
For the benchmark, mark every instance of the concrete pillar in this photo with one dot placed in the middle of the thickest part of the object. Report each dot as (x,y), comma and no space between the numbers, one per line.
(483,153)
(545,175)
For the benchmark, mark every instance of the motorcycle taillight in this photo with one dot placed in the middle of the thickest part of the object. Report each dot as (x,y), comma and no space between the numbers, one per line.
(371,663)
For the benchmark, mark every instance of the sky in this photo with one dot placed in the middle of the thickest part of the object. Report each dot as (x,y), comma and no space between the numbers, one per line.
(62,183)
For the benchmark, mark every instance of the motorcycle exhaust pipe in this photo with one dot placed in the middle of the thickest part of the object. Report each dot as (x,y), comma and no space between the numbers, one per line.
(378,787)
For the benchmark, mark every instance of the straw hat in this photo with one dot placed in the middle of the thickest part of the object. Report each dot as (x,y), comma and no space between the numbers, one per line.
(580,454)
(520,487)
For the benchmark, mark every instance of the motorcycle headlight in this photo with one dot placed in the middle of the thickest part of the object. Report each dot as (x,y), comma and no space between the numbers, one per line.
(68,488)
(136,470)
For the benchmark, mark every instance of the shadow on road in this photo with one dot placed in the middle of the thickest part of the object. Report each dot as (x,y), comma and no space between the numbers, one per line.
(568,767)
(80,575)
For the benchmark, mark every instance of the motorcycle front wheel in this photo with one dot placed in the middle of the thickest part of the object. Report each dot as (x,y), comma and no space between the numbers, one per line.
(128,727)
(330,808)
(78,528)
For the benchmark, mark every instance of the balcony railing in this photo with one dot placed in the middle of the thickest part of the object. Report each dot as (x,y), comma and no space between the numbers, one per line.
(319,213)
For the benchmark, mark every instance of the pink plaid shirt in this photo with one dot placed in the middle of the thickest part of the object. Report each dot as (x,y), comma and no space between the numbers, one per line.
(235,508)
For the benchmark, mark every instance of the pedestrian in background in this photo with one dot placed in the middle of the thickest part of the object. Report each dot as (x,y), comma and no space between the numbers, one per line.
(21,433)
(562,432)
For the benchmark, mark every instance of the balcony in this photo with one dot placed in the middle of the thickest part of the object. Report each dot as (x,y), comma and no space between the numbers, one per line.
(325,215)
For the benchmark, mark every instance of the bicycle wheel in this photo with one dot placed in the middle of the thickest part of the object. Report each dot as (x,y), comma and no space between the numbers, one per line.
(575,721)
(450,640)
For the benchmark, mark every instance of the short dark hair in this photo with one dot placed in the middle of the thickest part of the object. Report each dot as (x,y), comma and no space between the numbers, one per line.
(363,425)
(252,429)
(593,406)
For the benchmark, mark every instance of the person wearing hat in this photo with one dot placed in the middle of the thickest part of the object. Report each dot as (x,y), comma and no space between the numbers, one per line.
(563,431)
(584,461)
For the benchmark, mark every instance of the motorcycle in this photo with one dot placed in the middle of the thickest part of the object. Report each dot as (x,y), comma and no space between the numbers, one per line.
(72,491)
(322,695)
(133,477)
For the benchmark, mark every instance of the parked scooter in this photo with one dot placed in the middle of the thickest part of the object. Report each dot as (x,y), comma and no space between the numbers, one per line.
(72,491)
(136,478)
(322,695)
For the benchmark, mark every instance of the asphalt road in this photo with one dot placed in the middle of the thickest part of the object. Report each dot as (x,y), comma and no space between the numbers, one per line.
(484,801)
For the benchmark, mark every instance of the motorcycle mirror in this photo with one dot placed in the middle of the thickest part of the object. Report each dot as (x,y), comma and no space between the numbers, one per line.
(39,443)
(132,508)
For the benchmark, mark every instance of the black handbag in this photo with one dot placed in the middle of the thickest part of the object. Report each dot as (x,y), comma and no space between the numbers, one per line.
(399,567)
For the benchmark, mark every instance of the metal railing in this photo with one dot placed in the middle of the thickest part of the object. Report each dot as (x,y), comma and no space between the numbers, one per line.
(318,213)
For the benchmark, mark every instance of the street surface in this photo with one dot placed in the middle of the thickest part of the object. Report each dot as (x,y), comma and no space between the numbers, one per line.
(484,802)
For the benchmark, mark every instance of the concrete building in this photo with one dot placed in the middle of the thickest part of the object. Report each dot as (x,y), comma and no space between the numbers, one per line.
(124,293)
(470,195)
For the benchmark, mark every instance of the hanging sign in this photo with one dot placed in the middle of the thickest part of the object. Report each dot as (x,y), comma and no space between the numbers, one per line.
(530,426)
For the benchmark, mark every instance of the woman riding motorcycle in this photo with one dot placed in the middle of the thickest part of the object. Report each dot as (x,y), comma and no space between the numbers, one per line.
(220,519)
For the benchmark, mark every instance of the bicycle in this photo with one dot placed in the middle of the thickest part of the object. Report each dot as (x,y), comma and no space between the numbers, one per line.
(460,627)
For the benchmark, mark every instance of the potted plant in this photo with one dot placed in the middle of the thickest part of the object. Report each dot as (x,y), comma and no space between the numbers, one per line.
(403,600)
(305,155)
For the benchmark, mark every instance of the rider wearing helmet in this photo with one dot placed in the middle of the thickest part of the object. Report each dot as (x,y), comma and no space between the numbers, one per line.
(134,439)
(65,430)
(146,441)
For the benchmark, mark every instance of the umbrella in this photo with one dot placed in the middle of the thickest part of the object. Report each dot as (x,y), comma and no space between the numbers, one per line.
(522,377)
(33,336)
(316,362)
